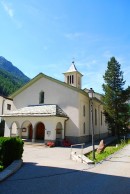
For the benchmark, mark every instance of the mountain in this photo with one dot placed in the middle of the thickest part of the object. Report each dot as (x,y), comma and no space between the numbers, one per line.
(11,78)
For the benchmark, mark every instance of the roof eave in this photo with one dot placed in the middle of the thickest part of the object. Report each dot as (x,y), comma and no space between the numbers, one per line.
(41,75)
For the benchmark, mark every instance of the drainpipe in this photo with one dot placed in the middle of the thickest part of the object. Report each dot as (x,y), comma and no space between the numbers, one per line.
(89,119)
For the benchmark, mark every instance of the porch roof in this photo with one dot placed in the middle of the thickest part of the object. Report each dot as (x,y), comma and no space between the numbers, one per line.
(37,110)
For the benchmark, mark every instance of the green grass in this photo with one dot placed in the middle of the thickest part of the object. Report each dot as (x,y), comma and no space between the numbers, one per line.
(1,168)
(111,149)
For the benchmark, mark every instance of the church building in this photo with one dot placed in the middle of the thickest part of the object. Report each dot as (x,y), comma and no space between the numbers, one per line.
(47,109)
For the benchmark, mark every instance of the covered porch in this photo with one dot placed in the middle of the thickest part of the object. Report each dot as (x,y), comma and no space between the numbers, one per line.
(36,123)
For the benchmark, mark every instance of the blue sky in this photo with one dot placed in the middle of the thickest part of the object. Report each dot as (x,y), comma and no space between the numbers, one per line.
(45,35)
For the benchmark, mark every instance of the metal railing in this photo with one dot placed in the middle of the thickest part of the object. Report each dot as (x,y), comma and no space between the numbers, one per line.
(74,145)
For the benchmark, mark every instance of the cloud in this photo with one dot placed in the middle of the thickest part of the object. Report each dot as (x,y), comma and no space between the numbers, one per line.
(7,7)
(73,36)
(10,11)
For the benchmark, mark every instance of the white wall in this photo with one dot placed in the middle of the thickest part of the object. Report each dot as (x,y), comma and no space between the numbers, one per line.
(71,102)
(84,101)
(55,93)
(3,105)
(99,128)
(49,122)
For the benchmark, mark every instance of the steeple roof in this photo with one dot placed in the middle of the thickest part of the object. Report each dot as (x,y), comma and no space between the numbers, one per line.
(72,67)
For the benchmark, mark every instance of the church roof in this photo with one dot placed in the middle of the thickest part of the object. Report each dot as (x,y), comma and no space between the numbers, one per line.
(38,110)
(41,75)
(72,68)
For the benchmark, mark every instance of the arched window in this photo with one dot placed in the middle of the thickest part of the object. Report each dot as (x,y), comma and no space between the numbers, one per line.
(68,79)
(72,79)
(95,116)
(79,80)
(101,117)
(84,128)
(84,110)
(41,98)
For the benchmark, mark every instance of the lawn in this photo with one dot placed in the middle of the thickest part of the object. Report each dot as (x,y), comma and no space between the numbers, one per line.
(110,149)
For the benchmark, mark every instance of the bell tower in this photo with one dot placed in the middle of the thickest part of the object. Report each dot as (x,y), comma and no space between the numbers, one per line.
(73,76)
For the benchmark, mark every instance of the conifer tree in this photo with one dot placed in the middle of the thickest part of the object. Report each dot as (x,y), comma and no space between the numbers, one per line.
(115,107)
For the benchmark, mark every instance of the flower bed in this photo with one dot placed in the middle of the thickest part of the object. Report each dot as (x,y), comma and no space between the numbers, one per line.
(50,144)
(66,143)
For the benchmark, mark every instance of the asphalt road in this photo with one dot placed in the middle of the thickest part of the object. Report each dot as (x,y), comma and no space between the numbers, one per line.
(50,171)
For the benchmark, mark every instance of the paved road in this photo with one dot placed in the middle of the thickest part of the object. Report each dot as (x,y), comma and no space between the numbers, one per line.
(49,170)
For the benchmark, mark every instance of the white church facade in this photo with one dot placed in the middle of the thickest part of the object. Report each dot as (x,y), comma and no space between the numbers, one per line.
(47,109)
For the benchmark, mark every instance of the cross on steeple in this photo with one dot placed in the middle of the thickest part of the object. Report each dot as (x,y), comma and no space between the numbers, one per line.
(73,60)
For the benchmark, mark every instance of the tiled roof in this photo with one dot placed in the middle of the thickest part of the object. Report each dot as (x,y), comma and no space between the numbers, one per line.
(38,110)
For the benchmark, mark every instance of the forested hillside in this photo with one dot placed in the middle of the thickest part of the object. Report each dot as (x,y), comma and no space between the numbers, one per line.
(11,78)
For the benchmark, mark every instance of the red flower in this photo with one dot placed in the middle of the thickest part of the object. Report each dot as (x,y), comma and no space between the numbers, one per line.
(50,144)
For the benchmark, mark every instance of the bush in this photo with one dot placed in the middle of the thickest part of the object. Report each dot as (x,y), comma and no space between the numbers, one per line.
(1,168)
(11,148)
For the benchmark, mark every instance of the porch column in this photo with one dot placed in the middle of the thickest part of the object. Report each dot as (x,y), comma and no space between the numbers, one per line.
(63,133)
(19,132)
(34,134)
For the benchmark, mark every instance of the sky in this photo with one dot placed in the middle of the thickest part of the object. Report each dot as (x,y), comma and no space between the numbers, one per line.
(47,35)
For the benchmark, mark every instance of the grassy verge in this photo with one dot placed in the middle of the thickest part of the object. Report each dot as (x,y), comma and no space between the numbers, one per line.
(1,168)
(111,149)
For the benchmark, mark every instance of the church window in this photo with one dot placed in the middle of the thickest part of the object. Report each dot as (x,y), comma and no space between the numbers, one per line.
(72,79)
(8,106)
(41,98)
(79,80)
(95,116)
(101,117)
(84,128)
(68,78)
(84,110)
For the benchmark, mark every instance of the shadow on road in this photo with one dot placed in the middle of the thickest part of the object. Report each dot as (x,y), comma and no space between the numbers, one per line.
(35,179)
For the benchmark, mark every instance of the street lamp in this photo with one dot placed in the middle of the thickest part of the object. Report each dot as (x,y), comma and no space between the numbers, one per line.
(91,95)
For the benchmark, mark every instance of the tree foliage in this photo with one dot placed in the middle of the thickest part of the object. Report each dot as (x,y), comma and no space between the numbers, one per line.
(8,83)
(116,109)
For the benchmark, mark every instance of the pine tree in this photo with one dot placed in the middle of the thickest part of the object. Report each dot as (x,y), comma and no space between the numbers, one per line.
(115,107)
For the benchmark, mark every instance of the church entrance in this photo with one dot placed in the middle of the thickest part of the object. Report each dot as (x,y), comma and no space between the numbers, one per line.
(40,131)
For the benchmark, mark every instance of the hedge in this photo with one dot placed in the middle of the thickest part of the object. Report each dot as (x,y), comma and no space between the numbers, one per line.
(11,148)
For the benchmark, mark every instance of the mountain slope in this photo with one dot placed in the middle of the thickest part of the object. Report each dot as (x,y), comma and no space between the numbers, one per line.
(9,67)
(11,78)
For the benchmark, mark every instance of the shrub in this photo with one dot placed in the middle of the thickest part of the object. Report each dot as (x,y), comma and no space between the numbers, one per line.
(1,168)
(11,148)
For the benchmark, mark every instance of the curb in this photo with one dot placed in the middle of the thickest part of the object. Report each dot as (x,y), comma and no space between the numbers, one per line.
(10,169)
